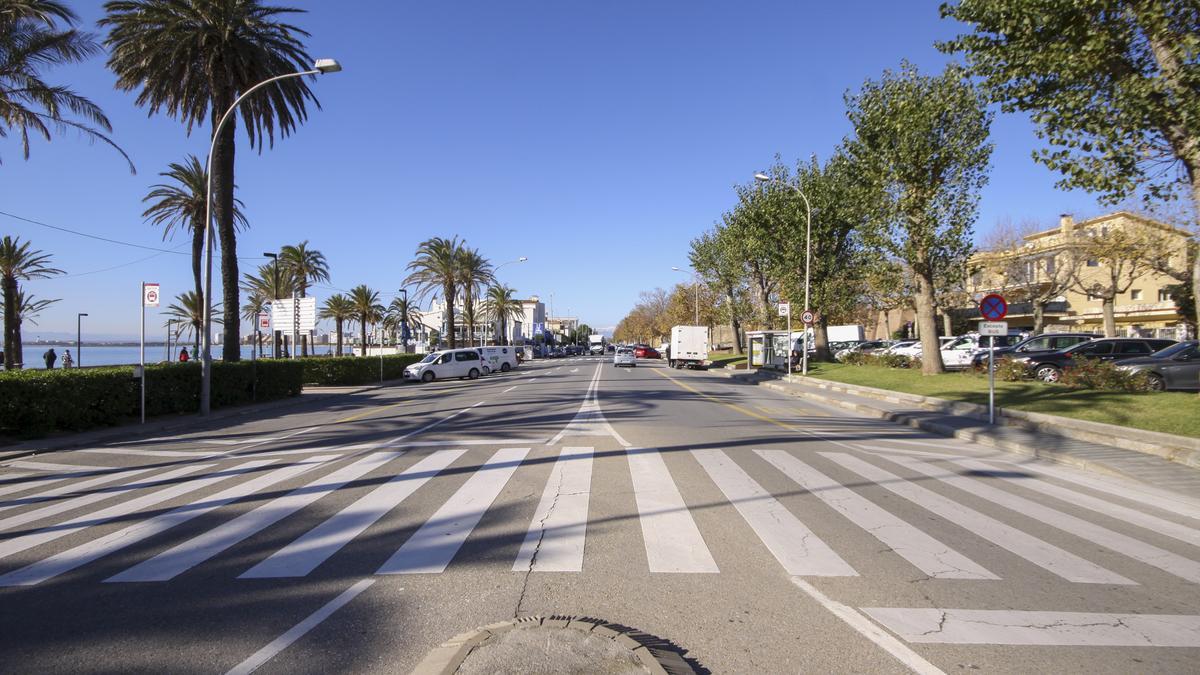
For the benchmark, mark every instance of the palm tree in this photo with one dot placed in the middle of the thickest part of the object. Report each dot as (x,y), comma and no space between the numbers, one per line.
(255,304)
(30,40)
(269,284)
(341,309)
(435,268)
(501,305)
(17,261)
(181,205)
(366,309)
(29,308)
(401,311)
(192,60)
(189,311)
(474,272)
(305,266)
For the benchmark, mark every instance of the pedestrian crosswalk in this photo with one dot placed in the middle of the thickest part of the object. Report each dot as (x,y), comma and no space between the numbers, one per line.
(54,525)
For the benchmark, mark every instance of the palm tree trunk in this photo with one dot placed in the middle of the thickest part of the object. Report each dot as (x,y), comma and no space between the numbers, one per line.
(223,182)
(363,324)
(12,334)
(338,327)
(448,289)
(198,260)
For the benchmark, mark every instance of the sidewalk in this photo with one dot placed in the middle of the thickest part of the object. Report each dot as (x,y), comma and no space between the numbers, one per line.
(174,423)
(1147,468)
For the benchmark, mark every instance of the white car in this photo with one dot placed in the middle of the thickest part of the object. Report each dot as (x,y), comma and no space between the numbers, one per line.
(447,364)
(624,357)
(502,359)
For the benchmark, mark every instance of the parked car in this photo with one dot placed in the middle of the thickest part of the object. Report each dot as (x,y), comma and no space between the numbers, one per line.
(868,347)
(447,364)
(959,353)
(1176,367)
(901,345)
(914,349)
(1049,366)
(645,352)
(1037,344)
(624,356)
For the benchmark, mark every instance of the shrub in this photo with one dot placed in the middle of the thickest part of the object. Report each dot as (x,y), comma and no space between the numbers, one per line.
(1010,370)
(1097,374)
(37,401)
(882,360)
(347,370)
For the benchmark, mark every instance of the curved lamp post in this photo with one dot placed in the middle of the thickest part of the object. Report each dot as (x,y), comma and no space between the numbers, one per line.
(696,283)
(764,178)
(320,67)
(497,269)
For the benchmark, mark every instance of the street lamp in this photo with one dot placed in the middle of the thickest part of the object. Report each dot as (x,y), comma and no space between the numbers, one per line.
(320,67)
(79,338)
(497,269)
(764,178)
(696,282)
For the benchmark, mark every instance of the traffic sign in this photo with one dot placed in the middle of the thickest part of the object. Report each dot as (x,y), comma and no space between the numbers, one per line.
(785,309)
(808,316)
(150,295)
(993,307)
(303,311)
(264,321)
(993,328)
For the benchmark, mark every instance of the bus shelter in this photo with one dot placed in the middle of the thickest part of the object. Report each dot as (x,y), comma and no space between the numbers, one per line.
(768,348)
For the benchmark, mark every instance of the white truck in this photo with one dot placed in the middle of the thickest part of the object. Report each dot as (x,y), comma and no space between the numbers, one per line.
(689,347)
(849,333)
(596,345)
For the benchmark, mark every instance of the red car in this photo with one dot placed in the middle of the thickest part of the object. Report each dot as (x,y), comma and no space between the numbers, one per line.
(646,353)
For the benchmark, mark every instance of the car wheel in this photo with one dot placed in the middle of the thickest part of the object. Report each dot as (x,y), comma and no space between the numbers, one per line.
(487,370)
(1048,374)
(504,367)
(427,376)
(474,374)
(1157,383)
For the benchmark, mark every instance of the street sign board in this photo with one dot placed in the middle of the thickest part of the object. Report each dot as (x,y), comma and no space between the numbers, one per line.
(993,307)
(808,316)
(150,295)
(785,309)
(264,321)
(993,328)
(285,312)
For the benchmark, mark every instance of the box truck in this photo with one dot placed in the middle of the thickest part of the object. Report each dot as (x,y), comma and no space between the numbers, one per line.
(689,347)
(596,345)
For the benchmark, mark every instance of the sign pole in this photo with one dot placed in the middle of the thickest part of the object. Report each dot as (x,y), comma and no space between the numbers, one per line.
(992,379)
(992,308)
(142,352)
(789,356)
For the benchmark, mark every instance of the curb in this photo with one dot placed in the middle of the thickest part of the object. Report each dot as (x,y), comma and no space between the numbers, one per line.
(182,422)
(656,655)
(1178,449)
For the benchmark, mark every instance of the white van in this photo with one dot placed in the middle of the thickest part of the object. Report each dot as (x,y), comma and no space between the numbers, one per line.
(447,364)
(501,359)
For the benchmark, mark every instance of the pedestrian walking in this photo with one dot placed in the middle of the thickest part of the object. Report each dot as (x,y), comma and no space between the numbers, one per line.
(68,362)
(50,358)
(183,355)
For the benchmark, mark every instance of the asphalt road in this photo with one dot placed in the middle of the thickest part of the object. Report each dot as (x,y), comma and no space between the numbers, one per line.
(760,533)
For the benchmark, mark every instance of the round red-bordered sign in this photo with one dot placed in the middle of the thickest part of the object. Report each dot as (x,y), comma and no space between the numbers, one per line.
(807,316)
(993,307)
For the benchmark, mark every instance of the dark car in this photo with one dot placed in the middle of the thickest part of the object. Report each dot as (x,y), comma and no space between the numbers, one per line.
(1048,367)
(1037,344)
(1176,367)
(646,353)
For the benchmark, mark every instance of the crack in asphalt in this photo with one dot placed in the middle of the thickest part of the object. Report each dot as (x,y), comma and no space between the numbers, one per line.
(538,547)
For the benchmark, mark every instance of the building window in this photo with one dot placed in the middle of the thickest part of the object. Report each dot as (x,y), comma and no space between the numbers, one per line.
(1029,270)
(1135,294)
(1092,262)
(1050,265)
(1164,295)
(1093,297)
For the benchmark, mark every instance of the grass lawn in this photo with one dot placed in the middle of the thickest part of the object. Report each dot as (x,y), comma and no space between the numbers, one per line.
(720,360)
(1169,412)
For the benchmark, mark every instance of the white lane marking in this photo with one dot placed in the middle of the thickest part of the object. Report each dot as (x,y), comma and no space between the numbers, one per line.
(124,508)
(795,546)
(272,649)
(100,495)
(916,453)
(529,380)
(574,370)
(554,542)
(427,427)
(1166,500)
(175,561)
(902,653)
(314,547)
(1113,541)
(590,420)
(83,554)
(673,542)
(510,389)
(433,546)
(72,487)
(138,452)
(473,441)
(1045,555)
(47,466)
(20,483)
(927,554)
(1153,523)
(1060,629)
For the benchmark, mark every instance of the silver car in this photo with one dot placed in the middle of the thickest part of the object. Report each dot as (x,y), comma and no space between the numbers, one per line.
(624,357)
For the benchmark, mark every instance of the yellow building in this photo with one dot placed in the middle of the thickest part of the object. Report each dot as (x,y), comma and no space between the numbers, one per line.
(1069,270)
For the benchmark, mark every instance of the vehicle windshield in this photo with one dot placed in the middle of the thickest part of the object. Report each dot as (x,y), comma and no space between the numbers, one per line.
(1168,352)
(431,358)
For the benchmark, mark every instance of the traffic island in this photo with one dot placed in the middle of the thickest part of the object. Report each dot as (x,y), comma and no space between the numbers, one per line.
(560,644)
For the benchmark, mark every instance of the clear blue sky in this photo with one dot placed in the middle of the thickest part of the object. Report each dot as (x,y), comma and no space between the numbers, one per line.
(595,138)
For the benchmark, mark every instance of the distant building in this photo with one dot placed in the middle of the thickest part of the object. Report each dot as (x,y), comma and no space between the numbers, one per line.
(562,326)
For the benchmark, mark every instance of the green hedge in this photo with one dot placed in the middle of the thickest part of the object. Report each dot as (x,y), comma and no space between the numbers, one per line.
(346,370)
(37,401)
